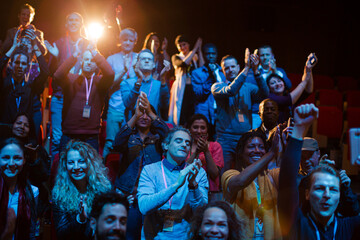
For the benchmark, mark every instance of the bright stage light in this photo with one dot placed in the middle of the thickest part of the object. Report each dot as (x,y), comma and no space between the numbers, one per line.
(94,31)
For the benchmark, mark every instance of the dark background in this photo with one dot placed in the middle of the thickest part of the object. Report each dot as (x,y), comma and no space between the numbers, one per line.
(293,28)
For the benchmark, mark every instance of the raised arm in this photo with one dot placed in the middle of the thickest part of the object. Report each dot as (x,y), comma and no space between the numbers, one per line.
(39,82)
(288,200)
(307,80)
(248,175)
(220,90)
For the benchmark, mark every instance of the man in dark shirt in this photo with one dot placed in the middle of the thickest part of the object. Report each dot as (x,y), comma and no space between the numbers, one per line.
(84,96)
(322,194)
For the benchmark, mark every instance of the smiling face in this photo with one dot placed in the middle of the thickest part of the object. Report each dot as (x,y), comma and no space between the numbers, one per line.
(214,224)
(230,68)
(25,17)
(323,195)
(19,66)
(254,149)
(276,86)
(21,126)
(74,22)
(183,47)
(198,129)
(112,222)
(76,166)
(178,147)
(127,43)
(11,160)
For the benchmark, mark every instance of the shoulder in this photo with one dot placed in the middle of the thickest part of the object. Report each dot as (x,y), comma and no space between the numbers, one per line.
(115,57)
(152,168)
(225,178)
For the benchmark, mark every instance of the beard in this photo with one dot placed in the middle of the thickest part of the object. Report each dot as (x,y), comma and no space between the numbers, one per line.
(105,235)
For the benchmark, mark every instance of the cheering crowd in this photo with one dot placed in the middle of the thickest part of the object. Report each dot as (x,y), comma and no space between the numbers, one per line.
(203,151)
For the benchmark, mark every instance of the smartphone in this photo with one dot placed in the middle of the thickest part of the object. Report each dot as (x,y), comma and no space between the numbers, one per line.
(312,60)
(354,135)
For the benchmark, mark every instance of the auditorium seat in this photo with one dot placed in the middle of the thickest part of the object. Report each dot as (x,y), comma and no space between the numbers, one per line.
(323,82)
(330,121)
(330,97)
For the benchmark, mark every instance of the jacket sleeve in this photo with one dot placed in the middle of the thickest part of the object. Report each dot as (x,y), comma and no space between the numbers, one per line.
(67,226)
(60,76)
(221,90)
(288,199)
(107,72)
(39,82)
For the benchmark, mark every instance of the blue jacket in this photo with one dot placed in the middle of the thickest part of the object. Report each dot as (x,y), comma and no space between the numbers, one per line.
(202,80)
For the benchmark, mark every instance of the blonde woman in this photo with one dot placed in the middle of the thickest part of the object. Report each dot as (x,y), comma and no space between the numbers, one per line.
(81,175)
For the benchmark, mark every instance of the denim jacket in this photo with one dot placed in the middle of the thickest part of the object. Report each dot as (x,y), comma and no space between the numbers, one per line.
(137,153)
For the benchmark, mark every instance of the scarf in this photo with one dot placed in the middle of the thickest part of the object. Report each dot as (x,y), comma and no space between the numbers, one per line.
(22,226)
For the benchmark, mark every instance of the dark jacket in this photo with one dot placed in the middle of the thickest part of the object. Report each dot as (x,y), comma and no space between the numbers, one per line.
(137,153)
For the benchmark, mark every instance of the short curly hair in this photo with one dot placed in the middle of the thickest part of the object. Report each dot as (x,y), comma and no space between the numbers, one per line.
(235,224)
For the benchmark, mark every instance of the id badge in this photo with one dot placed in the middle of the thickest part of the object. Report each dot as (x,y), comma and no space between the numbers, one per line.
(86,111)
(240,117)
(168,224)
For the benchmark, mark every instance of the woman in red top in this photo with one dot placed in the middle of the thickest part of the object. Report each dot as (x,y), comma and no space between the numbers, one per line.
(210,153)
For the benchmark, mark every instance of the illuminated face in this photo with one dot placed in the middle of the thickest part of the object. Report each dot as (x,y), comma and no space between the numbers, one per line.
(25,17)
(214,224)
(183,47)
(179,147)
(269,112)
(210,55)
(156,42)
(88,64)
(11,160)
(309,160)
(144,122)
(230,69)
(265,54)
(111,223)
(254,149)
(324,195)
(276,86)
(198,129)
(74,23)
(19,66)
(127,43)
(76,166)
(21,127)
(146,61)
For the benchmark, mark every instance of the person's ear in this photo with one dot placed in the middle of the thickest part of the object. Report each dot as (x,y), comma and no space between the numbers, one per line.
(93,224)
(165,146)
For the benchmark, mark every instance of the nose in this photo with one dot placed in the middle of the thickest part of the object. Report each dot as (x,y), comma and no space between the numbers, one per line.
(76,165)
(214,229)
(117,225)
(11,162)
(327,193)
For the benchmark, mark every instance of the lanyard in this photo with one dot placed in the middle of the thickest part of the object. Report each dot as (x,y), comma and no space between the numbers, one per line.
(88,88)
(258,195)
(18,99)
(148,95)
(317,230)
(164,178)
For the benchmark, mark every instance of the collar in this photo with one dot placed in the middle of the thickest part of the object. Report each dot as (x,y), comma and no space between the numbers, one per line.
(263,70)
(172,167)
(330,224)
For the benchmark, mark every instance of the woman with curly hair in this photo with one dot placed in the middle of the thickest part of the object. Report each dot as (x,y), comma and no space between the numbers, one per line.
(216,220)
(17,195)
(81,175)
